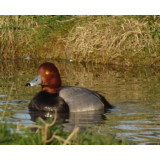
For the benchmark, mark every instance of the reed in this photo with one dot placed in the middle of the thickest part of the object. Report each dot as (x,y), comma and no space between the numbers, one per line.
(122,40)
(29,36)
(6,105)
(34,135)
(16,35)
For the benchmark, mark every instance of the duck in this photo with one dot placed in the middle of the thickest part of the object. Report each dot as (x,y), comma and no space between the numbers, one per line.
(63,99)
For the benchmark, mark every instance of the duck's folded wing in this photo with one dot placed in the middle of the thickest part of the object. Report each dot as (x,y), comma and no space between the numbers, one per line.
(81,99)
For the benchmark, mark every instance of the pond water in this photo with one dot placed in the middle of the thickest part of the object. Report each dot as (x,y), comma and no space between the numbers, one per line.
(134,91)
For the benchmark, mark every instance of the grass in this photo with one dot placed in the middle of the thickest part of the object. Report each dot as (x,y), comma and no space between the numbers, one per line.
(23,36)
(52,134)
(121,40)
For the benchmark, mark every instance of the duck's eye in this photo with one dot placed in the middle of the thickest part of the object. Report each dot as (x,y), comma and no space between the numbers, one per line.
(46,72)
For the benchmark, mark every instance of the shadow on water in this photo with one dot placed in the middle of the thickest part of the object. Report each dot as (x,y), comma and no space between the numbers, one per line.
(134,91)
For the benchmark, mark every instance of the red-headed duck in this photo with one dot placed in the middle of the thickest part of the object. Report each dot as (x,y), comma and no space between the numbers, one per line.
(64,99)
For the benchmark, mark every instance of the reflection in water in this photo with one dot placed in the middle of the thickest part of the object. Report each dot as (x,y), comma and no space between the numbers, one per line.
(61,117)
(134,91)
(69,121)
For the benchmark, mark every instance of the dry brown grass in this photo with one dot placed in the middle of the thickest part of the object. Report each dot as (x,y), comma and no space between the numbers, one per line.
(115,39)
(16,35)
(122,40)
(44,129)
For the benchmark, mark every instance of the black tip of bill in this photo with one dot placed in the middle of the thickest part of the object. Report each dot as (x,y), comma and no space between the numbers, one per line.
(28,84)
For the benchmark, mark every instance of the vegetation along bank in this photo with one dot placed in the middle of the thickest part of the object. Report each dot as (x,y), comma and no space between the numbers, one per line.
(121,40)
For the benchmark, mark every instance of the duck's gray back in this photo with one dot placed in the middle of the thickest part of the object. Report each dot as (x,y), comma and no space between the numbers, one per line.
(81,99)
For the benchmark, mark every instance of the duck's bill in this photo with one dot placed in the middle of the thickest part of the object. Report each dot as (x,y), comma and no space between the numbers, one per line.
(37,80)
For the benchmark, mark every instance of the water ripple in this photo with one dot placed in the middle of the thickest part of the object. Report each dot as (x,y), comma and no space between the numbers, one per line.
(15,102)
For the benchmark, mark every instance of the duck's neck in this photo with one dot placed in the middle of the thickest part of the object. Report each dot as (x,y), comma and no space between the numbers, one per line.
(50,90)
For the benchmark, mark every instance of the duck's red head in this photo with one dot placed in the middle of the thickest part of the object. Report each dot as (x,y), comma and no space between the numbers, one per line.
(49,78)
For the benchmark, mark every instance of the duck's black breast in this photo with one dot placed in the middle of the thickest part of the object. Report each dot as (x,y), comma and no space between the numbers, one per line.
(44,101)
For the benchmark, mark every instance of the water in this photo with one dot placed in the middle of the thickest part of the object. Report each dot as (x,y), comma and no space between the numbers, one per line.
(134,91)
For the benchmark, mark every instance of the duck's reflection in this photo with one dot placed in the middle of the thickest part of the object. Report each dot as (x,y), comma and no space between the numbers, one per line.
(69,121)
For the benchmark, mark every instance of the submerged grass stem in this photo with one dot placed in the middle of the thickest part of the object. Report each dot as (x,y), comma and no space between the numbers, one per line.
(6,105)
